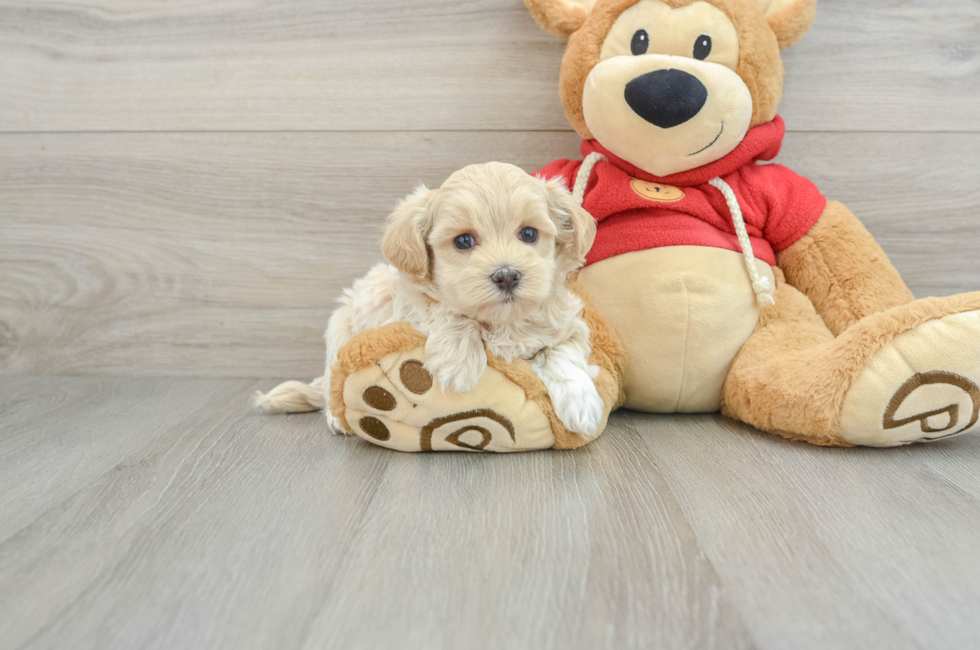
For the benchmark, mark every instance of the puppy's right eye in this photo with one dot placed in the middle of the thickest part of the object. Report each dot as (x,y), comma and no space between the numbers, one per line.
(641,42)
(464,242)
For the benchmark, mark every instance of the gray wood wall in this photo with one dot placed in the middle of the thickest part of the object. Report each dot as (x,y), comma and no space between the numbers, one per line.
(185,186)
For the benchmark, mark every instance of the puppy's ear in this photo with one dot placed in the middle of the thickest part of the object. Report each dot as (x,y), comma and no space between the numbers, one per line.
(576,227)
(789,19)
(404,244)
(560,17)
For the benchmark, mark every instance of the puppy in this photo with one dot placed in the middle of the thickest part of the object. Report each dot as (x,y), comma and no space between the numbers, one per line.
(479,264)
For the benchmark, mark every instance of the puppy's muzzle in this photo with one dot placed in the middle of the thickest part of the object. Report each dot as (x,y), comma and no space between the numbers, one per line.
(666,98)
(506,279)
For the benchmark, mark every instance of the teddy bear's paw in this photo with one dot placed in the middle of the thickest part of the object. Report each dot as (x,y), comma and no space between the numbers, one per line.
(922,386)
(397,403)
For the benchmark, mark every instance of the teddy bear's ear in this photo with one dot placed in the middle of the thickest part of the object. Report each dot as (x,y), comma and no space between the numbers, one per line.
(560,17)
(789,19)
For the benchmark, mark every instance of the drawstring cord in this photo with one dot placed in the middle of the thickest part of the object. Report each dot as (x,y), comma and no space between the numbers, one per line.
(760,284)
(584,173)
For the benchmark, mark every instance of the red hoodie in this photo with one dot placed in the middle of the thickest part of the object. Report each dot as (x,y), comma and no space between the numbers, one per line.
(778,205)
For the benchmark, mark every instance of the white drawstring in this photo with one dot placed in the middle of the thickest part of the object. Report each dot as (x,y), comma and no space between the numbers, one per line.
(584,172)
(760,284)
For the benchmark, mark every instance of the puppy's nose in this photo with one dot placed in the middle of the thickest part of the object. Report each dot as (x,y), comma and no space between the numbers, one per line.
(506,279)
(666,98)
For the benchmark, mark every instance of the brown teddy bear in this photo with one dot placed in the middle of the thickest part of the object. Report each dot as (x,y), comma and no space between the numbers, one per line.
(716,281)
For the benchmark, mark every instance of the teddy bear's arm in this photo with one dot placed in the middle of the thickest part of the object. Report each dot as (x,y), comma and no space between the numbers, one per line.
(843,270)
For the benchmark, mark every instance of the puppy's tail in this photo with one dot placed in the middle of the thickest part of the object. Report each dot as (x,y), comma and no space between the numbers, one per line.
(293,397)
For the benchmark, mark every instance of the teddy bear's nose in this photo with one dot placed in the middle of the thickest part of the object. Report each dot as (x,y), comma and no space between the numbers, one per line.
(666,98)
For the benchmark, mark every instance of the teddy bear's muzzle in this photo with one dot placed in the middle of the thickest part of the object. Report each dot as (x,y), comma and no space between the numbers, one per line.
(666,98)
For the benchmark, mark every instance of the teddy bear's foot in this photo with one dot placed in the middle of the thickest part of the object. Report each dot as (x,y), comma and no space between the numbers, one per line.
(396,403)
(907,374)
(923,385)
(380,391)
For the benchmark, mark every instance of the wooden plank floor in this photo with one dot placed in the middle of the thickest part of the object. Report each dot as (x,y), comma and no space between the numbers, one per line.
(164,513)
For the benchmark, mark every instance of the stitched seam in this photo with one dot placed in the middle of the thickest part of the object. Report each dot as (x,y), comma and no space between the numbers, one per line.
(833,285)
(687,330)
(394,384)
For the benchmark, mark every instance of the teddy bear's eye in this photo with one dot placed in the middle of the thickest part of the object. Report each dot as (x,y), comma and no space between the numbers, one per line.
(641,41)
(702,47)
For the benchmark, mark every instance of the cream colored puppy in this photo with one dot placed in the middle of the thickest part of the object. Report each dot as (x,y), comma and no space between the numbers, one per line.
(480,263)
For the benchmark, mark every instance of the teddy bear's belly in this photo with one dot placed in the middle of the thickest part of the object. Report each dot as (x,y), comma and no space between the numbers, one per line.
(683,312)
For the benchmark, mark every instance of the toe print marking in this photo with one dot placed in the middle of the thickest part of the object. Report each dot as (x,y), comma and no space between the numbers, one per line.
(374,428)
(378,398)
(952,411)
(454,437)
(425,440)
(415,378)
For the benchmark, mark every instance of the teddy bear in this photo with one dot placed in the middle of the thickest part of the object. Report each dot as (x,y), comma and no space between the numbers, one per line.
(718,280)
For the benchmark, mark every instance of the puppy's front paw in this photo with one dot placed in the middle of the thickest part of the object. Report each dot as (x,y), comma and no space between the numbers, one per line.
(334,423)
(578,405)
(460,372)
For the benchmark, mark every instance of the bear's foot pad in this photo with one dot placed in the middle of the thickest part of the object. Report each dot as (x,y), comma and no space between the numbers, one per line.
(396,403)
(922,386)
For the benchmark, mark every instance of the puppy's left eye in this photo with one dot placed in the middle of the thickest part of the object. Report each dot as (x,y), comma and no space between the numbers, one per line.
(528,235)
(702,47)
